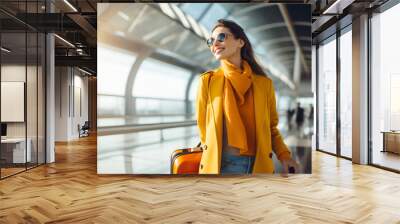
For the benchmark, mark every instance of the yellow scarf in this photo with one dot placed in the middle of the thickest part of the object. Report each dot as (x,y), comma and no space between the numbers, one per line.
(239,107)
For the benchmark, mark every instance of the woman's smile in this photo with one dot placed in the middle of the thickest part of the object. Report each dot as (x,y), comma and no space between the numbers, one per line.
(218,50)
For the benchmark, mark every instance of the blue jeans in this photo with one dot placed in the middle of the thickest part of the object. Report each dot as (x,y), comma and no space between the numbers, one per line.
(234,164)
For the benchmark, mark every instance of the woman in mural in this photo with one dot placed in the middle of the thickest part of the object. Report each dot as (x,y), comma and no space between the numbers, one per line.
(236,110)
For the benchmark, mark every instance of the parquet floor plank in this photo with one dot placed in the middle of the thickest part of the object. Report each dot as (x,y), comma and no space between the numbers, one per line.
(70,191)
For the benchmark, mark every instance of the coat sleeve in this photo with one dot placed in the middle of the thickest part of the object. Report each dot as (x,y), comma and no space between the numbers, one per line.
(201,107)
(278,145)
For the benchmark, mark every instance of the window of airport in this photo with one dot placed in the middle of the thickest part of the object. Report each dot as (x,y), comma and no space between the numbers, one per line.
(160,98)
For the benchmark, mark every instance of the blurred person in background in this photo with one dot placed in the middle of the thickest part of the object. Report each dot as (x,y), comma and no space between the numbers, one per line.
(299,119)
(289,114)
(311,119)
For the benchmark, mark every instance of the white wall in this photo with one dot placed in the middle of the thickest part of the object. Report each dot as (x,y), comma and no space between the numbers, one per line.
(33,126)
(79,117)
(62,81)
(70,83)
(12,73)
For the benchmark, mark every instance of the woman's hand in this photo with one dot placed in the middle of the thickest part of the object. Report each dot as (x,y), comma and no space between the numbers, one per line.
(288,163)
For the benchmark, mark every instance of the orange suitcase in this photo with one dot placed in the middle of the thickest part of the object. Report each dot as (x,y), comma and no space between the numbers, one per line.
(186,161)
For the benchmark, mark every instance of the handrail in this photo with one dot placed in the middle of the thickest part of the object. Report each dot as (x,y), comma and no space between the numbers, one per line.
(144,115)
(144,98)
(132,128)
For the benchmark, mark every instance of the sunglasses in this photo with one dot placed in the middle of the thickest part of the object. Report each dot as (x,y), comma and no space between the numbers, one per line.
(220,38)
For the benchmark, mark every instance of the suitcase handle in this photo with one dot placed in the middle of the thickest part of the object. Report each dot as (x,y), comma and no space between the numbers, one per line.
(198,148)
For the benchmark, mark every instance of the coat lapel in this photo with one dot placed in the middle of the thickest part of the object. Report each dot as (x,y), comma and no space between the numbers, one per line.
(216,97)
(259,92)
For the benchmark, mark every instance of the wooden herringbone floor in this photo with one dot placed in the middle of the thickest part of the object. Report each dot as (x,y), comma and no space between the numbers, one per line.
(70,191)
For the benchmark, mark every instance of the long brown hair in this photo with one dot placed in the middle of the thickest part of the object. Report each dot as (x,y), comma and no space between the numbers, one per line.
(246,52)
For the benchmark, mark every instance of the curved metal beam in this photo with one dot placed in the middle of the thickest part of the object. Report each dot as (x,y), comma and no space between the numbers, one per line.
(293,35)
(276,51)
(289,61)
(130,104)
(204,12)
(187,90)
(248,9)
(181,39)
(156,32)
(276,25)
(283,39)
(284,57)
(138,19)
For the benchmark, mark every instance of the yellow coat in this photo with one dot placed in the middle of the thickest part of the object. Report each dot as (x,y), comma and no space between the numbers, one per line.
(209,114)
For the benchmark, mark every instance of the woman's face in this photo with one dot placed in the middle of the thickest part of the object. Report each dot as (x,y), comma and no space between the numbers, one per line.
(229,48)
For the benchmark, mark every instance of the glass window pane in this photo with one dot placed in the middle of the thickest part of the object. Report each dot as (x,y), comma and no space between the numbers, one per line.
(159,92)
(346,94)
(113,70)
(146,106)
(32,101)
(327,96)
(192,97)
(193,88)
(157,79)
(385,84)
(111,105)
(214,13)
(194,9)
(13,75)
